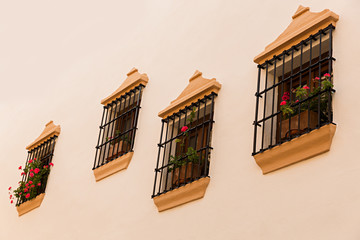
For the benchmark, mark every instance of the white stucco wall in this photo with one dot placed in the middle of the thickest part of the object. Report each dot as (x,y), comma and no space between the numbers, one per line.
(58,59)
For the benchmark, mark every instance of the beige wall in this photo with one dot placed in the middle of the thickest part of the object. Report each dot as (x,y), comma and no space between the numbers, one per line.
(58,59)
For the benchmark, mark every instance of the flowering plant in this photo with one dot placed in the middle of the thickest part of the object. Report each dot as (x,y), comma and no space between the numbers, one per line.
(189,153)
(35,174)
(303,92)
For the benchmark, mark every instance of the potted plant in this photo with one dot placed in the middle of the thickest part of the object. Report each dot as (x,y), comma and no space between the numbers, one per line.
(118,146)
(307,111)
(184,166)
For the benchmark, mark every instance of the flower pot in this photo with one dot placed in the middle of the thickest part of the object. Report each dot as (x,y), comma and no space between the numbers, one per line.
(117,149)
(295,128)
(178,176)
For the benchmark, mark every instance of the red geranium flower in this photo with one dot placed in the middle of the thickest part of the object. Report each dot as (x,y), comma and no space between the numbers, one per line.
(20,168)
(33,186)
(27,195)
(36,170)
(184,129)
(30,161)
(51,164)
(39,184)
(11,201)
(326,75)
(306,87)
(30,182)
(283,103)
(9,188)
(31,174)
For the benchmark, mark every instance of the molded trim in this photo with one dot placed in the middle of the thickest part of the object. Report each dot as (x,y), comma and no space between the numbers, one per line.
(133,80)
(182,195)
(304,24)
(197,88)
(112,167)
(298,149)
(30,205)
(50,130)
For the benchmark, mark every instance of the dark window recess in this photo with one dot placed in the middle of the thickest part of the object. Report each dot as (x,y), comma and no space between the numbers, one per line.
(294,92)
(118,127)
(185,146)
(44,154)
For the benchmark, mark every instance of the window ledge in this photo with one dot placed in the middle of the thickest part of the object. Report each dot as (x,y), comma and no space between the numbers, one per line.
(112,167)
(298,149)
(181,195)
(30,205)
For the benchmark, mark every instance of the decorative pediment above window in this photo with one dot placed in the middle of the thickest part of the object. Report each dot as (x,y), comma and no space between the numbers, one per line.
(50,130)
(133,80)
(197,88)
(304,24)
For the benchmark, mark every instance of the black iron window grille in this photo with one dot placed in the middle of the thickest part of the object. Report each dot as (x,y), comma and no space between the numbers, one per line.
(185,146)
(294,95)
(43,155)
(118,127)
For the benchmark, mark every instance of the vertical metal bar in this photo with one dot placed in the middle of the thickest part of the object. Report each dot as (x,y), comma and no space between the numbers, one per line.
(202,139)
(264,113)
(158,158)
(330,115)
(256,108)
(291,79)
(208,135)
(282,93)
(186,159)
(98,141)
(300,80)
(112,131)
(164,153)
(107,130)
(273,101)
(319,95)
(136,117)
(119,121)
(102,148)
(308,101)
(170,148)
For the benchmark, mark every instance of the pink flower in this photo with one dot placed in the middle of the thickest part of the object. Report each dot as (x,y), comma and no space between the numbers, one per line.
(27,184)
(27,195)
(20,193)
(297,101)
(30,161)
(9,188)
(25,190)
(11,201)
(46,166)
(30,182)
(31,174)
(51,164)
(326,75)
(306,87)
(317,79)
(36,170)
(20,168)
(283,103)
(184,129)
(39,184)
(33,186)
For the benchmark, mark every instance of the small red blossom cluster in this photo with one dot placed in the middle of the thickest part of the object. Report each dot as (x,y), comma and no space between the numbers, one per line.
(33,173)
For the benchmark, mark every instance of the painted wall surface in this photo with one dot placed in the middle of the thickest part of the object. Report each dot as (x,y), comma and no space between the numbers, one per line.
(58,59)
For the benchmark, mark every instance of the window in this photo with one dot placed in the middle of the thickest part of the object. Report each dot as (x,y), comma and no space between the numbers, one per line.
(182,168)
(115,144)
(185,146)
(35,172)
(293,113)
(118,127)
(294,96)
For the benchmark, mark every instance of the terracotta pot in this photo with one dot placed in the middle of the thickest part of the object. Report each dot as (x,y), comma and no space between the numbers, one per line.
(295,129)
(117,149)
(176,180)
